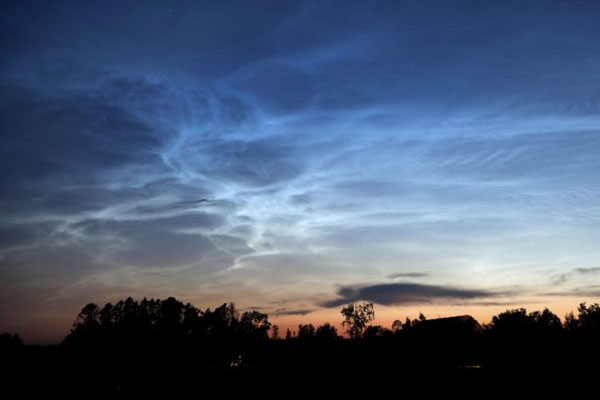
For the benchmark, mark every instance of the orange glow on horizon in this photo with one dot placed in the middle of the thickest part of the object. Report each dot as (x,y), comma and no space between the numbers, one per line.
(51,325)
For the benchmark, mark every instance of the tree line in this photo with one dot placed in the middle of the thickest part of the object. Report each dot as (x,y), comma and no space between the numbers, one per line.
(169,319)
(168,347)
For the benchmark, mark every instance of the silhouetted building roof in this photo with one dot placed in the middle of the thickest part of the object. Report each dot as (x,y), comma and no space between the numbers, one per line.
(462,324)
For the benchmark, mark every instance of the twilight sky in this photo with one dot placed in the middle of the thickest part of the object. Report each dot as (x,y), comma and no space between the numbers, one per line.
(295,156)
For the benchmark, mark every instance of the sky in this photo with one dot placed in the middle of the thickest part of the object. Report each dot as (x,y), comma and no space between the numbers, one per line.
(294,156)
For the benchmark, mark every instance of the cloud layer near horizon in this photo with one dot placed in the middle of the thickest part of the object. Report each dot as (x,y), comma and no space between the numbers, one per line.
(403,293)
(270,152)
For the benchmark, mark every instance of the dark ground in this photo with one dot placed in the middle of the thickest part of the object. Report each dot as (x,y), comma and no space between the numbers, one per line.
(217,353)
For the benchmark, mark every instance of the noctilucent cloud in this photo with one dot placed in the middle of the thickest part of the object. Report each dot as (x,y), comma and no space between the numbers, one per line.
(295,156)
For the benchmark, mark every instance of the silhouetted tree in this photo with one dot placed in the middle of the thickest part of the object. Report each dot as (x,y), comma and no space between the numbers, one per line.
(169,318)
(88,317)
(546,322)
(255,324)
(11,352)
(356,318)
(9,341)
(589,318)
(326,332)
(275,332)
(396,326)
(518,323)
(375,331)
(571,323)
(513,322)
(306,332)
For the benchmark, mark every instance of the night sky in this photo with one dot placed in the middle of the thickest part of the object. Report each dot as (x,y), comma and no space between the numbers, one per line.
(292,157)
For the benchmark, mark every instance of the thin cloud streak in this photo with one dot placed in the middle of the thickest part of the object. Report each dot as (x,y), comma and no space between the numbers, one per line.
(408,275)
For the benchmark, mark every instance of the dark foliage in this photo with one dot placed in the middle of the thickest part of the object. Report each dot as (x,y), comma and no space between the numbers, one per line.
(167,349)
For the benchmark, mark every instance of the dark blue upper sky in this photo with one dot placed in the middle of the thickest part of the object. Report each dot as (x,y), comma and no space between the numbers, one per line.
(295,155)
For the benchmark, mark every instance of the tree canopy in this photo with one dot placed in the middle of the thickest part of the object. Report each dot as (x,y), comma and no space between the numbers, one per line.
(356,318)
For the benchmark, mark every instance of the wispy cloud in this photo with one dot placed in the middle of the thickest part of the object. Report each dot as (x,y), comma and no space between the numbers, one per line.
(408,275)
(575,274)
(285,311)
(580,292)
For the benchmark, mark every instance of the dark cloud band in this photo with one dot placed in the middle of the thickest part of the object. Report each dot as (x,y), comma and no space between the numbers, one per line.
(406,293)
